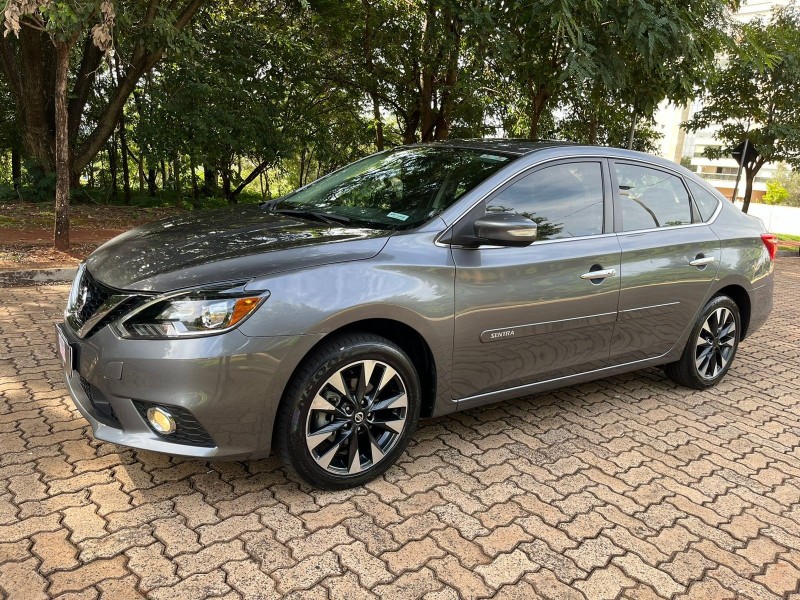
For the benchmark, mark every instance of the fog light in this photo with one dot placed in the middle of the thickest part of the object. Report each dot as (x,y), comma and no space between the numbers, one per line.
(161,420)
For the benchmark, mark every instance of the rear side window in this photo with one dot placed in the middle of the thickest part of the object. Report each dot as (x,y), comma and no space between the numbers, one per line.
(651,198)
(565,200)
(706,201)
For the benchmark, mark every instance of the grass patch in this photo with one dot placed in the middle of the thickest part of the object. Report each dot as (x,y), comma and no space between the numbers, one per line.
(788,237)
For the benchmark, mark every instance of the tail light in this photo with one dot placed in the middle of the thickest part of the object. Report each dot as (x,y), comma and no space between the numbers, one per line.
(771,242)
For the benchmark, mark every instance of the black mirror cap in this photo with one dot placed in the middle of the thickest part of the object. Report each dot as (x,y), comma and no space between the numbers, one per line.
(505,229)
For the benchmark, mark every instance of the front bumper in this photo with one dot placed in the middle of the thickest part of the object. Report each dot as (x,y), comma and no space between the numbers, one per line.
(227,386)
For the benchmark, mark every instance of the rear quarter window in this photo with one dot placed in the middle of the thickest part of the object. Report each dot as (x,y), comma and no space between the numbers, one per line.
(705,201)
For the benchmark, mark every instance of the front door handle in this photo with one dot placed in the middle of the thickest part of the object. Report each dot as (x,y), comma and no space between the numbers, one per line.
(702,261)
(602,274)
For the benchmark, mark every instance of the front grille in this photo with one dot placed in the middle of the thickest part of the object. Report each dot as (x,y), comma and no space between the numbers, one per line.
(104,412)
(91,295)
(187,431)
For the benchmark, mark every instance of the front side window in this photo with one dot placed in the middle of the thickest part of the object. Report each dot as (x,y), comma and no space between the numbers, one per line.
(651,198)
(399,189)
(565,200)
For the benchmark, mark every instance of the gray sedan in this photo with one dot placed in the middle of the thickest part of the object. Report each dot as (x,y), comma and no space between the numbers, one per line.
(413,283)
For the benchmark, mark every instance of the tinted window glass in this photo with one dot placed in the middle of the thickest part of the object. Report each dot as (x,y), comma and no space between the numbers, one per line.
(564,200)
(651,198)
(706,201)
(399,189)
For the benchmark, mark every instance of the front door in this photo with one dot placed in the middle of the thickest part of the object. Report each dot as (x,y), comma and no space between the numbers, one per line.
(546,310)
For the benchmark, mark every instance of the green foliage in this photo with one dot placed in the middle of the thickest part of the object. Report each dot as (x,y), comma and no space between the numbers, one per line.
(776,193)
(267,95)
(754,92)
(784,188)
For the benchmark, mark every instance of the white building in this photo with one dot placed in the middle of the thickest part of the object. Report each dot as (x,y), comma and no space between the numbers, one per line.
(685,147)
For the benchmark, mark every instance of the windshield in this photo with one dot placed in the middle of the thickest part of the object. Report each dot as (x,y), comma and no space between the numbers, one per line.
(399,189)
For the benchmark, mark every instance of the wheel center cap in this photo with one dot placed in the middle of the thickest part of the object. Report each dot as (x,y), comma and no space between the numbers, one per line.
(358,417)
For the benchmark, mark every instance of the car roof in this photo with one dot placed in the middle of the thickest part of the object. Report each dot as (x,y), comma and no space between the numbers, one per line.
(521,147)
(515,146)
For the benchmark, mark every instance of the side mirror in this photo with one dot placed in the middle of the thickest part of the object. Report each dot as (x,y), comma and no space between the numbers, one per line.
(505,229)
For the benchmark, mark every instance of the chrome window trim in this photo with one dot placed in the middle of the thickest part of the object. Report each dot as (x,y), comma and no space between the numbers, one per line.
(654,229)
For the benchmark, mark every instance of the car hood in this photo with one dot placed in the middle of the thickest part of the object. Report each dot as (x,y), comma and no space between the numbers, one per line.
(225,245)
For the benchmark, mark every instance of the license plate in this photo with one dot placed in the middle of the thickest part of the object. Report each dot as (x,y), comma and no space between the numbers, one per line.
(64,350)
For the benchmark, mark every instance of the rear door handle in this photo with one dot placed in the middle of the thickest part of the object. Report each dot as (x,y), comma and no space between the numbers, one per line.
(599,274)
(702,262)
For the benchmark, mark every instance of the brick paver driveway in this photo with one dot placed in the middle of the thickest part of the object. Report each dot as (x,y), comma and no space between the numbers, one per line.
(626,487)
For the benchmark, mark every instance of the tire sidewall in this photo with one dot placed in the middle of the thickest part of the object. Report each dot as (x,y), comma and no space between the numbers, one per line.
(714,304)
(326,365)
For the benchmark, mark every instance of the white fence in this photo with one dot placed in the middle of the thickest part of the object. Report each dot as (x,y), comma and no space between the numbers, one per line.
(777,219)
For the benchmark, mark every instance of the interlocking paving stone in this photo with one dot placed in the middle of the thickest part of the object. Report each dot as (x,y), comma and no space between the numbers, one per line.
(629,487)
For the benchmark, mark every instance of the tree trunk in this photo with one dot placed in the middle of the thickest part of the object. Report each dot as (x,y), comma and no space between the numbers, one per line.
(302,165)
(176,180)
(538,103)
(749,175)
(152,188)
(16,168)
(210,185)
(410,128)
(126,174)
(195,189)
(226,185)
(140,166)
(376,115)
(112,165)
(447,102)
(632,134)
(63,166)
(163,175)
(247,180)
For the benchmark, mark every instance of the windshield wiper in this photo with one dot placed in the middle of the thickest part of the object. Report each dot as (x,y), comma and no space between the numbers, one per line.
(313,214)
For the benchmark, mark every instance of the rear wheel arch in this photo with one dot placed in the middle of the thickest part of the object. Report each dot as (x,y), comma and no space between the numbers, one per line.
(741,297)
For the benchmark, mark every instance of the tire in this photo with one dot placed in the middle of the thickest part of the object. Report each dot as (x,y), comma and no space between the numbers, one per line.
(711,346)
(359,389)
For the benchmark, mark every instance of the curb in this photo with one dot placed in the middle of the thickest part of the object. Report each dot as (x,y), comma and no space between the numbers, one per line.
(31,277)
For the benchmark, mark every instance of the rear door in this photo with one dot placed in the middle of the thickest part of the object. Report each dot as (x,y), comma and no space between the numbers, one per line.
(527,314)
(669,260)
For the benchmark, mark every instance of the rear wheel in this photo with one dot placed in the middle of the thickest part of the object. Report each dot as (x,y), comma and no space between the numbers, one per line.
(349,412)
(711,346)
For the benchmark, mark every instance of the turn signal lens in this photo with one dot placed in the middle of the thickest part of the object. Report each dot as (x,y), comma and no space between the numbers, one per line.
(242,308)
(771,242)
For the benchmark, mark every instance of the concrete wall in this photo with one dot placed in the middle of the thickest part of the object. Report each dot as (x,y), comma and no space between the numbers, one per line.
(777,219)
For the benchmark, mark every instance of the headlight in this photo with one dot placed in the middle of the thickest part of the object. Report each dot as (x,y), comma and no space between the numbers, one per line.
(191,314)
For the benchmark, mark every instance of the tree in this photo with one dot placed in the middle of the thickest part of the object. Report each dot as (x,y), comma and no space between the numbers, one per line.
(37,67)
(550,53)
(753,95)
(783,188)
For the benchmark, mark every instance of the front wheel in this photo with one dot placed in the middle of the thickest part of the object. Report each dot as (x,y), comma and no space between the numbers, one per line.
(349,412)
(711,346)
